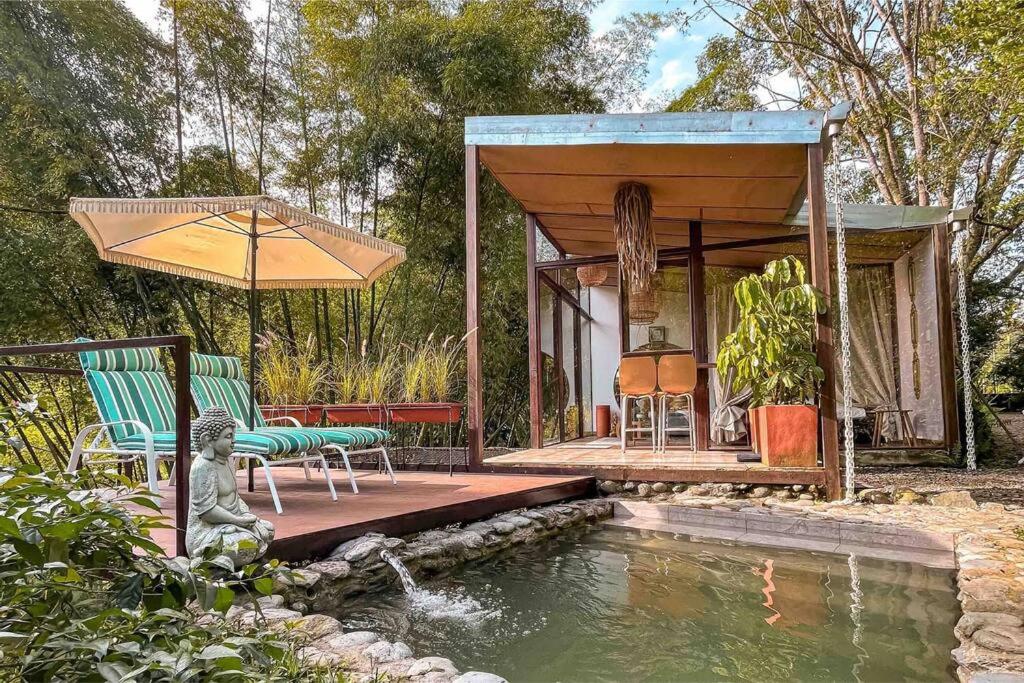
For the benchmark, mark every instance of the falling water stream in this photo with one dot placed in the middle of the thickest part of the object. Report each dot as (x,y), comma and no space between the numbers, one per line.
(403,572)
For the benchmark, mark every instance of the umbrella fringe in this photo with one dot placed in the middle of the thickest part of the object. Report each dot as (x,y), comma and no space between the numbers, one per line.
(216,205)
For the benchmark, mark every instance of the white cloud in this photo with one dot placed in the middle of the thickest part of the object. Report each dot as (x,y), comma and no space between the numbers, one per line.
(667,33)
(673,74)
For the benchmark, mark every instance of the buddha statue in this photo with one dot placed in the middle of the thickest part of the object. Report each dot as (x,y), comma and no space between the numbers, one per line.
(217,517)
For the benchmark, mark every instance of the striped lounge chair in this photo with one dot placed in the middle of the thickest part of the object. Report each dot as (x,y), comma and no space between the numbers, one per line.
(136,409)
(220,381)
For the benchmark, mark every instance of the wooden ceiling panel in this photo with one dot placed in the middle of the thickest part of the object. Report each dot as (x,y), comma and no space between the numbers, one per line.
(749,161)
(541,190)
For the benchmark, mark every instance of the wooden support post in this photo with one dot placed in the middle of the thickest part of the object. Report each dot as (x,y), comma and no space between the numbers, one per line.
(947,351)
(821,278)
(474,359)
(533,337)
(699,326)
(182,448)
(577,341)
(556,343)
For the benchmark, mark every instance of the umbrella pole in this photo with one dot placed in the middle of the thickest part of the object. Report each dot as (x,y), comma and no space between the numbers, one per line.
(253,321)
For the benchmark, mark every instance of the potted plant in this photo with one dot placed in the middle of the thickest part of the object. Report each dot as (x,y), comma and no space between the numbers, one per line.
(772,352)
(291,382)
(427,380)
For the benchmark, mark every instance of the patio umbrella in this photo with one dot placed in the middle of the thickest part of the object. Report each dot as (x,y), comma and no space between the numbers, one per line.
(248,242)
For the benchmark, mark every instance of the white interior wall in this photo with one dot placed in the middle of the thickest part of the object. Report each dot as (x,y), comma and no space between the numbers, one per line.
(604,344)
(926,409)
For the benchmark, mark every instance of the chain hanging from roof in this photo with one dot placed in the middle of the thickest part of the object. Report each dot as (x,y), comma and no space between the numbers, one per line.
(634,235)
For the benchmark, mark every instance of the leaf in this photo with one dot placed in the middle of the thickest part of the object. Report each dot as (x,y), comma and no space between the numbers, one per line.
(217,652)
(9,527)
(224,599)
(264,585)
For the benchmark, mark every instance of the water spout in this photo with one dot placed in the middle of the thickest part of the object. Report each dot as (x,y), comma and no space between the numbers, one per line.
(403,573)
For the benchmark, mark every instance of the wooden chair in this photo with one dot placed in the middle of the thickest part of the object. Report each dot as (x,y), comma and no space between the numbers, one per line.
(677,378)
(638,380)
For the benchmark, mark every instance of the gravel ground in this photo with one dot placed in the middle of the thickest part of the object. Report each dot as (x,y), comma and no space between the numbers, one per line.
(986,485)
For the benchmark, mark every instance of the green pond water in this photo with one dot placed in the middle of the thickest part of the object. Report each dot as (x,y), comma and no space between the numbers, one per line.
(629,605)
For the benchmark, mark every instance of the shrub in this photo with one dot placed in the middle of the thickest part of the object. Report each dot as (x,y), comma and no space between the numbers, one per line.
(771,350)
(85,594)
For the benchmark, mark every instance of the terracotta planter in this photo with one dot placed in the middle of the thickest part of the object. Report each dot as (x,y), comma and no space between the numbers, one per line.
(754,423)
(603,420)
(425,413)
(307,416)
(356,413)
(786,436)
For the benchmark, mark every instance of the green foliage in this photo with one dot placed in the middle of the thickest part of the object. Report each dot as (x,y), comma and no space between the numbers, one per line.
(771,350)
(85,594)
(725,81)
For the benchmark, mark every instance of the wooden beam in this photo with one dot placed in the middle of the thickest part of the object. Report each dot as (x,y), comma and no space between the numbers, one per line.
(557,351)
(821,278)
(182,444)
(577,341)
(947,352)
(699,326)
(474,357)
(566,295)
(676,251)
(533,312)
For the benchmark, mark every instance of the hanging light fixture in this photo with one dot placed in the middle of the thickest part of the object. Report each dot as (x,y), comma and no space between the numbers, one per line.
(634,235)
(644,305)
(592,276)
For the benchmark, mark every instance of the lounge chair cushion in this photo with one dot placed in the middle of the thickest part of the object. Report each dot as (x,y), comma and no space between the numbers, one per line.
(129,384)
(220,381)
(346,437)
(260,442)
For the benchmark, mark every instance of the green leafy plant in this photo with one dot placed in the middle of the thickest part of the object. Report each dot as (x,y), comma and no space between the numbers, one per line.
(430,370)
(85,593)
(771,350)
(290,377)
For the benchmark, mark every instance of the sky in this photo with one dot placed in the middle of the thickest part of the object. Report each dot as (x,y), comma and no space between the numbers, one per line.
(672,66)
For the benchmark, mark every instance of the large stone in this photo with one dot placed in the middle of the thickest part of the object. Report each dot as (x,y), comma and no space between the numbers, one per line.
(332,570)
(874,496)
(315,626)
(428,665)
(1001,639)
(678,488)
(908,497)
(759,492)
(610,487)
(659,487)
(383,651)
(629,486)
(643,490)
(953,499)
(479,677)
(503,528)
(364,550)
(973,621)
(344,642)
(990,594)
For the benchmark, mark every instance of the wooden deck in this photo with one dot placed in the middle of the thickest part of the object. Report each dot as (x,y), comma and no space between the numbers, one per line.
(642,464)
(312,524)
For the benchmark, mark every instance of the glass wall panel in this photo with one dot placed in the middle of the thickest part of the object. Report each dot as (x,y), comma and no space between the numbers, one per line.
(670,327)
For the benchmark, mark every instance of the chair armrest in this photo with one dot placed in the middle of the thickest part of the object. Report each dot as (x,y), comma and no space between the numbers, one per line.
(284,418)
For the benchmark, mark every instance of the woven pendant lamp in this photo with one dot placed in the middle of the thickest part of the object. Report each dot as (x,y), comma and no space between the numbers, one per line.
(644,305)
(592,276)
(634,235)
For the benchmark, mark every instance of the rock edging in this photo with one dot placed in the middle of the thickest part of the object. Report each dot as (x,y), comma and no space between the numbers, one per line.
(356,566)
(365,656)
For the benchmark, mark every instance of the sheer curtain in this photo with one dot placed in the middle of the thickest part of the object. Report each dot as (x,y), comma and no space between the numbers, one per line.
(728,407)
(871,341)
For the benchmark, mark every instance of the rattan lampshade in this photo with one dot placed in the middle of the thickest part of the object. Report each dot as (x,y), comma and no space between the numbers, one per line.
(644,305)
(592,276)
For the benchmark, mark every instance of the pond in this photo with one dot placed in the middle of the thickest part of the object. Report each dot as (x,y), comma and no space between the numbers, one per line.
(628,605)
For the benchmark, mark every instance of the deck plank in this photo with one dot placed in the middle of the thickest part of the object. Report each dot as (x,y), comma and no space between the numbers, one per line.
(312,524)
